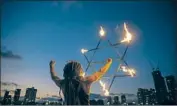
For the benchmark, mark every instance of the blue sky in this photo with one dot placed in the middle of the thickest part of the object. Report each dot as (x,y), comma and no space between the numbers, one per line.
(41,31)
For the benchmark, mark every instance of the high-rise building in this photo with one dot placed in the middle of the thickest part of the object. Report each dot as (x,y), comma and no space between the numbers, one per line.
(30,95)
(152,97)
(5,99)
(144,96)
(17,95)
(139,96)
(159,83)
(109,100)
(100,102)
(116,100)
(9,100)
(170,82)
(123,99)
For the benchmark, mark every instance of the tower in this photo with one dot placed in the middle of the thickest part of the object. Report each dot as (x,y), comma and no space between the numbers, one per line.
(170,82)
(30,95)
(17,95)
(116,100)
(143,96)
(123,99)
(5,99)
(159,83)
(152,97)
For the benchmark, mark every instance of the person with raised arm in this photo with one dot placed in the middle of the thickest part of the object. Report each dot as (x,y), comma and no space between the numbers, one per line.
(75,86)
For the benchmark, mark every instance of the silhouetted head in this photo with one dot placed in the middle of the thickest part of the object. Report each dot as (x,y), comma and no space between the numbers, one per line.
(72,69)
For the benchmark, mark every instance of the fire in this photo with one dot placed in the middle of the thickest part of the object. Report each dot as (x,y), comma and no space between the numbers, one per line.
(128,35)
(102,32)
(83,74)
(124,69)
(103,85)
(130,71)
(84,51)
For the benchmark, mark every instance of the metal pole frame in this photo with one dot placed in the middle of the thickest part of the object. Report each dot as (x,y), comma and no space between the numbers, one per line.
(114,46)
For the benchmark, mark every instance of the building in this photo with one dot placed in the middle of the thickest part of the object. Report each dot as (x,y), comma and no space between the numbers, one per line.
(17,96)
(9,100)
(159,83)
(146,96)
(5,99)
(170,82)
(152,97)
(123,99)
(93,102)
(109,100)
(140,96)
(116,100)
(100,102)
(143,96)
(30,95)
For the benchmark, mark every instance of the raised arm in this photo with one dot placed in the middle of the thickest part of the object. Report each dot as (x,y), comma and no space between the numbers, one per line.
(97,75)
(54,76)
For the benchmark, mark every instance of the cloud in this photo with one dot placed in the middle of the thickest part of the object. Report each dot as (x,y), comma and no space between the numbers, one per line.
(11,87)
(9,84)
(10,55)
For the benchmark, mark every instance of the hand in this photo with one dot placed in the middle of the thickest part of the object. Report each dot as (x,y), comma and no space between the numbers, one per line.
(52,63)
(109,60)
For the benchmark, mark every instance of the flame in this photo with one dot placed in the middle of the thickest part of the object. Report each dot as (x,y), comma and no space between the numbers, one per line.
(130,71)
(102,32)
(128,35)
(103,85)
(83,74)
(84,51)
(124,69)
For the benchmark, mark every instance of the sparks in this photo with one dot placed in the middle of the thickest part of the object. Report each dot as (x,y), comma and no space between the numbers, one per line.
(103,85)
(128,35)
(102,32)
(84,51)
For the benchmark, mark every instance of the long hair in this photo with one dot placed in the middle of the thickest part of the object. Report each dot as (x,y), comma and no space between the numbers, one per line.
(72,71)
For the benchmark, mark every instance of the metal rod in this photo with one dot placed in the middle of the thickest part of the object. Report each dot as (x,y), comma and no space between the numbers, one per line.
(116,76)
(125,52)
(93,55)
(122,58)
(86,58)
(101,62)
(112,45)
(114,48)
(122,75)
(111,83)
(115,44)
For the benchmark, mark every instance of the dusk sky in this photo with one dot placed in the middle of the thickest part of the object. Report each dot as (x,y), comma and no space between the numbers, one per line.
(41,31)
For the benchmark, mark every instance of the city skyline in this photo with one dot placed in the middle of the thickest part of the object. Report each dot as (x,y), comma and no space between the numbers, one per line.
(162,94)
(39,32)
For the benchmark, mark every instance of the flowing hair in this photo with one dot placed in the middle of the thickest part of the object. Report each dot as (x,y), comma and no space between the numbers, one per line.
(72,71)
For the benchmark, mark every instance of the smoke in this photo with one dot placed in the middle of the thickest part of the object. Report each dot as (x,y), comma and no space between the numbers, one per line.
(9,54)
